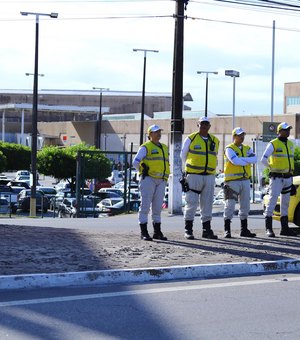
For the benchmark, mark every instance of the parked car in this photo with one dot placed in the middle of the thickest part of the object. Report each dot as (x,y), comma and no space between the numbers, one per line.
(105,183)
(23,178)
(2,176)
(4,206)
(117,191)
(294,206)
(49,192)
(18,184)
(69,206)
(62,185)
(119,207)
(22,173)
(4,181)
(24,200)
(11,194)
(108,202)
(219,180)
(96,197)
(56,200)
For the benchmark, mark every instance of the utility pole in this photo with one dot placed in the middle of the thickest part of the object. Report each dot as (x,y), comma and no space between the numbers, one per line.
(175,196)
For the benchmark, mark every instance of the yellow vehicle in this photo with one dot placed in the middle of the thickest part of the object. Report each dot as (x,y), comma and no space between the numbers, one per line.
(294,206)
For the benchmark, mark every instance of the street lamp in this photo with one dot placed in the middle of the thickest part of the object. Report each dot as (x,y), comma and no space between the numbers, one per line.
(35,109)
(143,92)
(233,74)
(206,87)
(99,118)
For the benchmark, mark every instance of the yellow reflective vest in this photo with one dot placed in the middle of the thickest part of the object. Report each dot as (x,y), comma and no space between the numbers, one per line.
(157,159)
(234,172)
(202,155)
(282,159)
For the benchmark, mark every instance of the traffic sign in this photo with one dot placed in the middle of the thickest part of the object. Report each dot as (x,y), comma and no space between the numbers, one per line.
(269,131)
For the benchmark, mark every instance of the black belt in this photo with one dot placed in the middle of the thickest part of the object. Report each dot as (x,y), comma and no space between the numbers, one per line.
(202,173)
(280,175)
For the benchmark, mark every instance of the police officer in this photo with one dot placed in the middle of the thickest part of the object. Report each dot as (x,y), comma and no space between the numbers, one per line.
(152,162)
(199,158)
(279,157)
(237,170)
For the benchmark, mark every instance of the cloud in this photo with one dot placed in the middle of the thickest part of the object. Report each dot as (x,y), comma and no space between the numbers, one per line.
(81,49)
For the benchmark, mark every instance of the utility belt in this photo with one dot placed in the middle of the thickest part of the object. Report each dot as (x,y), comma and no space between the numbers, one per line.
(237,179)
(280,175)
(202,173)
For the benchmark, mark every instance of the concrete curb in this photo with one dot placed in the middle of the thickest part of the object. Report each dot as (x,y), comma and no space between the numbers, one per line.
(123,276)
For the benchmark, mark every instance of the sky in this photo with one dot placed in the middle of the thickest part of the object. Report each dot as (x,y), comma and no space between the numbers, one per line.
(91,44)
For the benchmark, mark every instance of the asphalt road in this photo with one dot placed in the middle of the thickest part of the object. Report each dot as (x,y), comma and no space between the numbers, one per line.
(258,307)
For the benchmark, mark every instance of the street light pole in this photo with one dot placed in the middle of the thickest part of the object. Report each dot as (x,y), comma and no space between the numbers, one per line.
(143,92)
(233,74)
(35,109)
(99,118)
(206,87)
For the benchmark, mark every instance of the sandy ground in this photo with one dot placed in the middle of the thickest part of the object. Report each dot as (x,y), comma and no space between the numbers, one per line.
(34,249)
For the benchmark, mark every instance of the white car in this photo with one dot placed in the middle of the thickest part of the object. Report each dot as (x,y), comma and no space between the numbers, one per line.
(219,181)
(108,202)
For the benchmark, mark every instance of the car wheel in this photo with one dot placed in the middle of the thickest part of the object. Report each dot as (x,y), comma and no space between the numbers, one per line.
(59,214)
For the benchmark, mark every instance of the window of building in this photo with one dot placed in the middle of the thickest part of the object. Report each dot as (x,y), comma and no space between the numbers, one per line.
(293,100)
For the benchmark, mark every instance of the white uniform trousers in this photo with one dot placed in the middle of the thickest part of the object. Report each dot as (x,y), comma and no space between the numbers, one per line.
(152,196)
(242,188)
(206,185)
(276,186)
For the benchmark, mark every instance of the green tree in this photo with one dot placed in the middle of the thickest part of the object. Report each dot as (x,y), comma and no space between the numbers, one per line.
(3,162)
(297,161)
(17,156)
(61,163)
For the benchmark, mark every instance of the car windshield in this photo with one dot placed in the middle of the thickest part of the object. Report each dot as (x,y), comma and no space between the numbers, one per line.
(48,190)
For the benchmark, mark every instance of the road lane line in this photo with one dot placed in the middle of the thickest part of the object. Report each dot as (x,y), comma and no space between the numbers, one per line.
(143,291)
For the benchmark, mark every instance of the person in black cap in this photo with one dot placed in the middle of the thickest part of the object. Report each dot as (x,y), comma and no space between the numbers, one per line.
(152,163)
(199,158)
(279,158)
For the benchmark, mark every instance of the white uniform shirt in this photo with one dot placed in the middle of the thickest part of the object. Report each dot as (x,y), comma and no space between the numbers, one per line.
(250,158)
(268,152)
(141,154)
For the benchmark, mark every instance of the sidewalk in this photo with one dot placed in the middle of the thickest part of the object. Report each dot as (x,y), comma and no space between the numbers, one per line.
(58,252)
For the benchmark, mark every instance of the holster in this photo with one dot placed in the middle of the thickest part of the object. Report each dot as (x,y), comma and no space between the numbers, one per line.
(229,193)
(184,183)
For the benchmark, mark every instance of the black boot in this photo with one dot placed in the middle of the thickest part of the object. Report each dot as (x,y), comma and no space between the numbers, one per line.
(207,232)
(144,232)
(269,229)
(245,232)
(189,230)
(227,233)
(285,230)
(158,235)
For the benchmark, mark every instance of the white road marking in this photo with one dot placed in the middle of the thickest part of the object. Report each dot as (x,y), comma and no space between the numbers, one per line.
(142,291)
